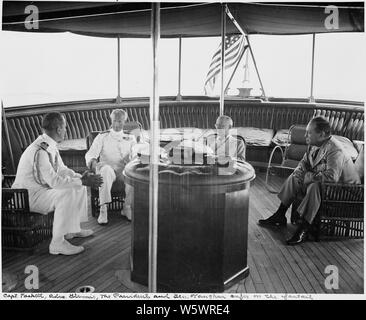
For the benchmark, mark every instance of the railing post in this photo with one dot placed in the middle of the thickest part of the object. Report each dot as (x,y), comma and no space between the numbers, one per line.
(311,98)
(179,95)
(118,99)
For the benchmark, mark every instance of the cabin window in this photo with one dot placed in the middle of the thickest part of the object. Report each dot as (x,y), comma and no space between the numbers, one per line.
(136,67)
(196,59)
(339,71)
(284,64)
(45,68)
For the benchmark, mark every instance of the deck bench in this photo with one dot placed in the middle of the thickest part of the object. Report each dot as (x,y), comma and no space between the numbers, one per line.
(270,120)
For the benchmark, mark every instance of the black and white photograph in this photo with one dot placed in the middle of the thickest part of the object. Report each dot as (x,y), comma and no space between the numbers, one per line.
(182,150)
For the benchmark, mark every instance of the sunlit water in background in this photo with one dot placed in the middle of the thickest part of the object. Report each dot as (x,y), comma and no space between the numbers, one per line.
(45,68)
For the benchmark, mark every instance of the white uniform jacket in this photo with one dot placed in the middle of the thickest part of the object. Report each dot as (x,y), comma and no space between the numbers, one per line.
(112,148)
(41,167)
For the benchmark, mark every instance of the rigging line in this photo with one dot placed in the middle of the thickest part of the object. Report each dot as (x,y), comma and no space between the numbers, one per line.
(245,33)
(236,67)
(103,14)
(301,5)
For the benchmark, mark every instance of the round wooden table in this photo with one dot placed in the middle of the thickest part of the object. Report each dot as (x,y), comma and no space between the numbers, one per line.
(202,226)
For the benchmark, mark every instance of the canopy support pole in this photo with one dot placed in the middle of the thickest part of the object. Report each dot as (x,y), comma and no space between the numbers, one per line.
(154,149)
(7,137)
(250,48)
(223,33)
(311,98)
(179,95)
(118,99)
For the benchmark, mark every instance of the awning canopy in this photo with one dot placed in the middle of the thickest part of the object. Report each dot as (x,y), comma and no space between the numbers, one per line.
(127,19)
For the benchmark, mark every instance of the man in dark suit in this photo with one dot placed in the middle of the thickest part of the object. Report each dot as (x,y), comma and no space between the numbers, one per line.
(324,161)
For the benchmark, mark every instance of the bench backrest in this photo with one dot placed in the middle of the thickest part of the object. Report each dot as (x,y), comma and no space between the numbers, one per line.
(25,125)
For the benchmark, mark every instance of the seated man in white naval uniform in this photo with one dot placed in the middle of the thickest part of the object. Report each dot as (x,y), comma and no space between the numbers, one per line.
(114,150)
(225,144)
(54,187)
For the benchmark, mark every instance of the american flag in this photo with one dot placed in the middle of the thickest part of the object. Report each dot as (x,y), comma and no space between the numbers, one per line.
(234,48)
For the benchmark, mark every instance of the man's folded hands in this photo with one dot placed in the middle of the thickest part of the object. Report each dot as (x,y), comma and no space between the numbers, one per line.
(90,179)
(308,178)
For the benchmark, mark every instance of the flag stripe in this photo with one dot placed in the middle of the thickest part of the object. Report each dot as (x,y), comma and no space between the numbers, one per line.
(217,63)
(231,57)
(228,64)
(234,47)
(218,71)
(217,56)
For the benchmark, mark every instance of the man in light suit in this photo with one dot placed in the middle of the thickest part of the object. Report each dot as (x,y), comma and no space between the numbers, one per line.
(114,150)
(54,187)
(324,161)
(225,144)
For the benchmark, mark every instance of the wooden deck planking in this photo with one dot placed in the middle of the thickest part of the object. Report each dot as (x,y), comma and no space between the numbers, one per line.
(78,261)
(324,261)
(265,267)
(255,275)
(262,200)
(58,269)
(69,279)
(274,267)
(95,262)
(315,277)
(284,284)
(348,277)
(263,237)
(350,264)
(108,273)
(278,235)
(353,250)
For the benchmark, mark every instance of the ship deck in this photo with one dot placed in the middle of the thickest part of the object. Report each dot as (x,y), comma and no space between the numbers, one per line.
(274,266)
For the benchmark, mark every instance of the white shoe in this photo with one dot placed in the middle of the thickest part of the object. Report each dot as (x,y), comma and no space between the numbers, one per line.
(82,234)
(65,248)
(103,215)
(127,212)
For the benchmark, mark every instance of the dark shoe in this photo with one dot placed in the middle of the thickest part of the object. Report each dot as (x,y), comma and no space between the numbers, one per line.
(295,218)
(274,220)
(301,235)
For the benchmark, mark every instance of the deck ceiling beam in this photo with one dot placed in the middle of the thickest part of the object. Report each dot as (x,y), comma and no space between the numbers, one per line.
(128,19)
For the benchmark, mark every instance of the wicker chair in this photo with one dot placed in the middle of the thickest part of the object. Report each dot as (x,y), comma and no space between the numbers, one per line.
(21,228)
(341,213)
(341,210)
(118,190)
(291,154)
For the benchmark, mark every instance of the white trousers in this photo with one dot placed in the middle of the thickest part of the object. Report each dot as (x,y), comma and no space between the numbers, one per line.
(311,198)
(69,206)
(109,177)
